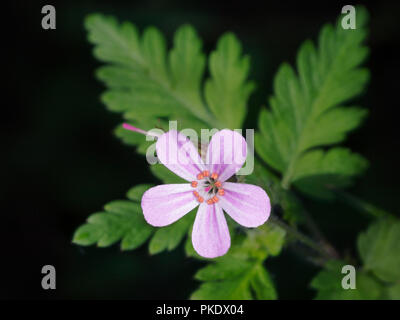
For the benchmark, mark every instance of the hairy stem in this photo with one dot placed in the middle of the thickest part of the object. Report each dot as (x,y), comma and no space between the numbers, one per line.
(322,250)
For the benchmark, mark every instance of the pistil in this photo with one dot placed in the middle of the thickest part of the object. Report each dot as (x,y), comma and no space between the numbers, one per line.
(211,186)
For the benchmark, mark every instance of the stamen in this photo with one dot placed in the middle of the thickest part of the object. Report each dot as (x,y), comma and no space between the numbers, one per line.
(221,192)
(194,184)
(214,176)
(209,201)
(196,194)
(200,199)
(214,199)
(200,176)
(206,173)
(218,184)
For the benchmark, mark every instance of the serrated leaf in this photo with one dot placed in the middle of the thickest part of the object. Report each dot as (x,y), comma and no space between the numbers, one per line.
(224,290)
(328,284)
(317,171)
(262,284)
(230,268)
(227,91)
(187,64)
(239,274)
(233,278)
(379,249)
(87,234)
(307,109)
(146,83)
(169,237)
(122,220)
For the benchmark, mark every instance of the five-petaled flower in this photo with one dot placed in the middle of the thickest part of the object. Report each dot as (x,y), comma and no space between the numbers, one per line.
(208,188)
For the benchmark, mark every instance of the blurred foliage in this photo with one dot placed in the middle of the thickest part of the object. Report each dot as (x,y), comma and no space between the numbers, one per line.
(377,277)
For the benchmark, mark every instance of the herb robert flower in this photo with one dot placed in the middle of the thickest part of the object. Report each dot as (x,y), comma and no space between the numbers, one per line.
(208,188)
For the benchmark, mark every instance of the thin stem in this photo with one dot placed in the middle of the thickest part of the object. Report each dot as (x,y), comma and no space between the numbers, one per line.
(361,205)
(313,227)
(326,254)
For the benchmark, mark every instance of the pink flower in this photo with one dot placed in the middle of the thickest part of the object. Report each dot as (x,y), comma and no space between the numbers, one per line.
(208,188)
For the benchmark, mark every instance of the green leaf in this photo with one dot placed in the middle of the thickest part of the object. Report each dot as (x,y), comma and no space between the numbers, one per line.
(240,274)
(227,91)
(317,171)
(87,234)
(224,290)
(379,249)
(121,220)
(169,237)
(187,65)
(273,238)
(146,82)
(285,199)
(232,278)
(379,276)
(136,192)
(230,268)
(308,111)
(328,284)
(150,85)
(262,284)
(165,175)
(393,291)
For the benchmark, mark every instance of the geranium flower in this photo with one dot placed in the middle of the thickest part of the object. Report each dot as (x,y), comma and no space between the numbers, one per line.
(208,188)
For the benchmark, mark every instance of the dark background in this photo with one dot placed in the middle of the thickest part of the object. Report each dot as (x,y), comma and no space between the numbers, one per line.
(63,163)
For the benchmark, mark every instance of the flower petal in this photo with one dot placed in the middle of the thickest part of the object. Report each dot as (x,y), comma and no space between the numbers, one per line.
(226,153)
(247,204)
(167,203)
(210,235)
(179,155)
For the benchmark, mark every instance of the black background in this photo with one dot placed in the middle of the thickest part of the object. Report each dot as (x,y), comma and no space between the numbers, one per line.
(62,162)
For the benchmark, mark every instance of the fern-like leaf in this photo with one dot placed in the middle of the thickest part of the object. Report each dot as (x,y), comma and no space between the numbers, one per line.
(308,112)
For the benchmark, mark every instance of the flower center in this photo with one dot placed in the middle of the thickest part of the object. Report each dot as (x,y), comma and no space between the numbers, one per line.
(207,187)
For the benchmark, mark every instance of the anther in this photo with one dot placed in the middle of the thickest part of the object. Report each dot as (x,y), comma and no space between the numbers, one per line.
(196,194)
(209,201)
(221,192)
(218,184)
(194,184)
(214,176)
(214,199)
(200,176)
(200,199)
(206,173)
